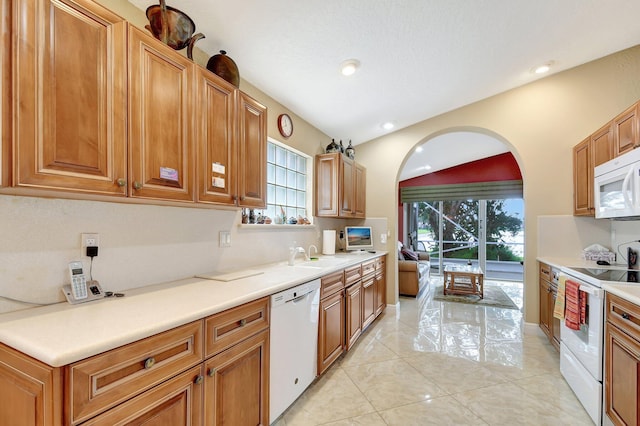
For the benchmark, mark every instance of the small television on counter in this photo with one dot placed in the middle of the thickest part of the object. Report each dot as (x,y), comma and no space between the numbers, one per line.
(358,238)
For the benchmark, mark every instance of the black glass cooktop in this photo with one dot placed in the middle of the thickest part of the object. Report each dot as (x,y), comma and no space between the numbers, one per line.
(625,276)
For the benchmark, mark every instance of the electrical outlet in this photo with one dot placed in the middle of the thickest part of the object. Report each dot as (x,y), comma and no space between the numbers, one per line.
(89,240)
(383,238)
(225,239)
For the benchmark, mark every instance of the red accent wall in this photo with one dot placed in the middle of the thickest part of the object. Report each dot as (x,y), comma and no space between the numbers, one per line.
(491,169)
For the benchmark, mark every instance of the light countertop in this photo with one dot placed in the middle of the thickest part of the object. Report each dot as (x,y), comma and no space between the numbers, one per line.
(61,334)
(630,292)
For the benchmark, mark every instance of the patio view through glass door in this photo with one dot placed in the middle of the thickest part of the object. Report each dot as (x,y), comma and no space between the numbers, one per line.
(487,233)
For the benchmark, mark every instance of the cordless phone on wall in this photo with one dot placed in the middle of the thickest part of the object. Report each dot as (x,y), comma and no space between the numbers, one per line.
(81,290)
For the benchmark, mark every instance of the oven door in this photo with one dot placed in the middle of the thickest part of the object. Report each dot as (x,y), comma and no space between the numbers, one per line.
(586,343)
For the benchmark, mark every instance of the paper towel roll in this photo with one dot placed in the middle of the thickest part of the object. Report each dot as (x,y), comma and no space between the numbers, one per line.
(329,241)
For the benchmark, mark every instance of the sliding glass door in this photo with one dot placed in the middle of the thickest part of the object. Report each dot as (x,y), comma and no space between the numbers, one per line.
(488,233)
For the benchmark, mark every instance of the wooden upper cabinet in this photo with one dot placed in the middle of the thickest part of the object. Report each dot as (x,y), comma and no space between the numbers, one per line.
(252,153)
(69,98)
(327,185)
(625,130)
(347,190)
(160,120)
(602,145)
(582,179)
(359,199)
(216,136)
(5,93)
(340,187)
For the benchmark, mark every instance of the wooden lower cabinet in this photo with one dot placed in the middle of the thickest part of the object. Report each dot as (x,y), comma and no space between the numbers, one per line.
(548,293)
(353,314)
(368,300)
(30,391)
(381,284)
(622,361)
(330,330)
(165,379)
(177,401)
(236,390)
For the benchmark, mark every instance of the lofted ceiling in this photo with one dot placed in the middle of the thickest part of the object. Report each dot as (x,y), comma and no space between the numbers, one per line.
(419,58)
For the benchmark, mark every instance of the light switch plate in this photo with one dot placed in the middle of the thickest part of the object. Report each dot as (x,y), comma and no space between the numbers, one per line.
(225,239)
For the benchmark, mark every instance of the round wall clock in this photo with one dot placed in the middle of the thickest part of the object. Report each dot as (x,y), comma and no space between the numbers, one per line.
(285,125)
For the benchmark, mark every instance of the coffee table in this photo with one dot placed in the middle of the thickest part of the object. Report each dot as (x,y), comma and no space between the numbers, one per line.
(463,279)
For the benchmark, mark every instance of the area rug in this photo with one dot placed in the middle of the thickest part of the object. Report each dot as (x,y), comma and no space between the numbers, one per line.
(494,297)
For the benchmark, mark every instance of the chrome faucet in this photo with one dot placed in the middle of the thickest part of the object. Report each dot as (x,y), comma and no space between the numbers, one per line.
(309,251)
(293,251)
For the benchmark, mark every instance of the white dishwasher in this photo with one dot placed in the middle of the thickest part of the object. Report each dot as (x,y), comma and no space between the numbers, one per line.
(293,342)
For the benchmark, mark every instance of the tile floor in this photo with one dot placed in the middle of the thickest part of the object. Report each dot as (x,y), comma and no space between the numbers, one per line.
(443,363)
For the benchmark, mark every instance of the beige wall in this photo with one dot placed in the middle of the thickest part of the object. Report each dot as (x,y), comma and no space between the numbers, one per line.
(541,122)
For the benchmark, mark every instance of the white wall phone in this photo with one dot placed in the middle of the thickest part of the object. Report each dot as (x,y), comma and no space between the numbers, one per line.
(81,290)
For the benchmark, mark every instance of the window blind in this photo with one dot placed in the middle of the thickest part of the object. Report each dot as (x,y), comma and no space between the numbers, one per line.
(462,191)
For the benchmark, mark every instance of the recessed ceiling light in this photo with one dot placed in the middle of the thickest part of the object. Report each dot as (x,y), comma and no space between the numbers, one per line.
(388,125)
(427,167)
(349,67)
(543,68)
(419,149)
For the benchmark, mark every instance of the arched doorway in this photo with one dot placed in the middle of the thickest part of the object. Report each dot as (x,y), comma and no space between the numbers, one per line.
(460,194)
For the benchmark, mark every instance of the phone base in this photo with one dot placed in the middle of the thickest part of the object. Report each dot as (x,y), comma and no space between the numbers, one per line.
(94,292)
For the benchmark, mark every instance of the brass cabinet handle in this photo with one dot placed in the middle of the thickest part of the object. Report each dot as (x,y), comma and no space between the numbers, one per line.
(211,372)
(149,362)
(625,316)
(243,322)
(137,185)
(121,182)
(198,379)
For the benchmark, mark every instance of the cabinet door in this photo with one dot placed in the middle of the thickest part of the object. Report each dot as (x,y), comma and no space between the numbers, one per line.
(30,391)
(236,391)
(69,98)
(544,307)
(327,185)
(252,153)
(622,370)
(176,402)
(582,179)
(353,300)
(347,191)
(360,191)
(330,330)
(160,120)
(215,136)
(625,131)
(5,93)
(602,145)
(381,285)
(368,300)
(554,323)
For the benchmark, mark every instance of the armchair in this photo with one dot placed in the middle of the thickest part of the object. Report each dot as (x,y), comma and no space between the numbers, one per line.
(413,271)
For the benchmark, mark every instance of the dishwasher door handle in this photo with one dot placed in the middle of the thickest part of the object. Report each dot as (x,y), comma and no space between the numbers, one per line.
(299,298)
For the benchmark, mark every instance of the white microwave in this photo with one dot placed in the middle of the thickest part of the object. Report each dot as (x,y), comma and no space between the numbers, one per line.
(617,187)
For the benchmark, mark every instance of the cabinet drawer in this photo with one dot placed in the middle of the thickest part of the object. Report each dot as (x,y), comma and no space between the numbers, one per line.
(623,314)
(105,380)
(352,275)
(368,267)
(176,401)
(331,283)
(545,271)
(231,326)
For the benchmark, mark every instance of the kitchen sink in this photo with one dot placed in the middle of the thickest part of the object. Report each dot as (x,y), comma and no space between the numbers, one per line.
(319,264)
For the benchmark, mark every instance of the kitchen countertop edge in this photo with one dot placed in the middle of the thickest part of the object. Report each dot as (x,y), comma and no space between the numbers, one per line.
(62,334)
